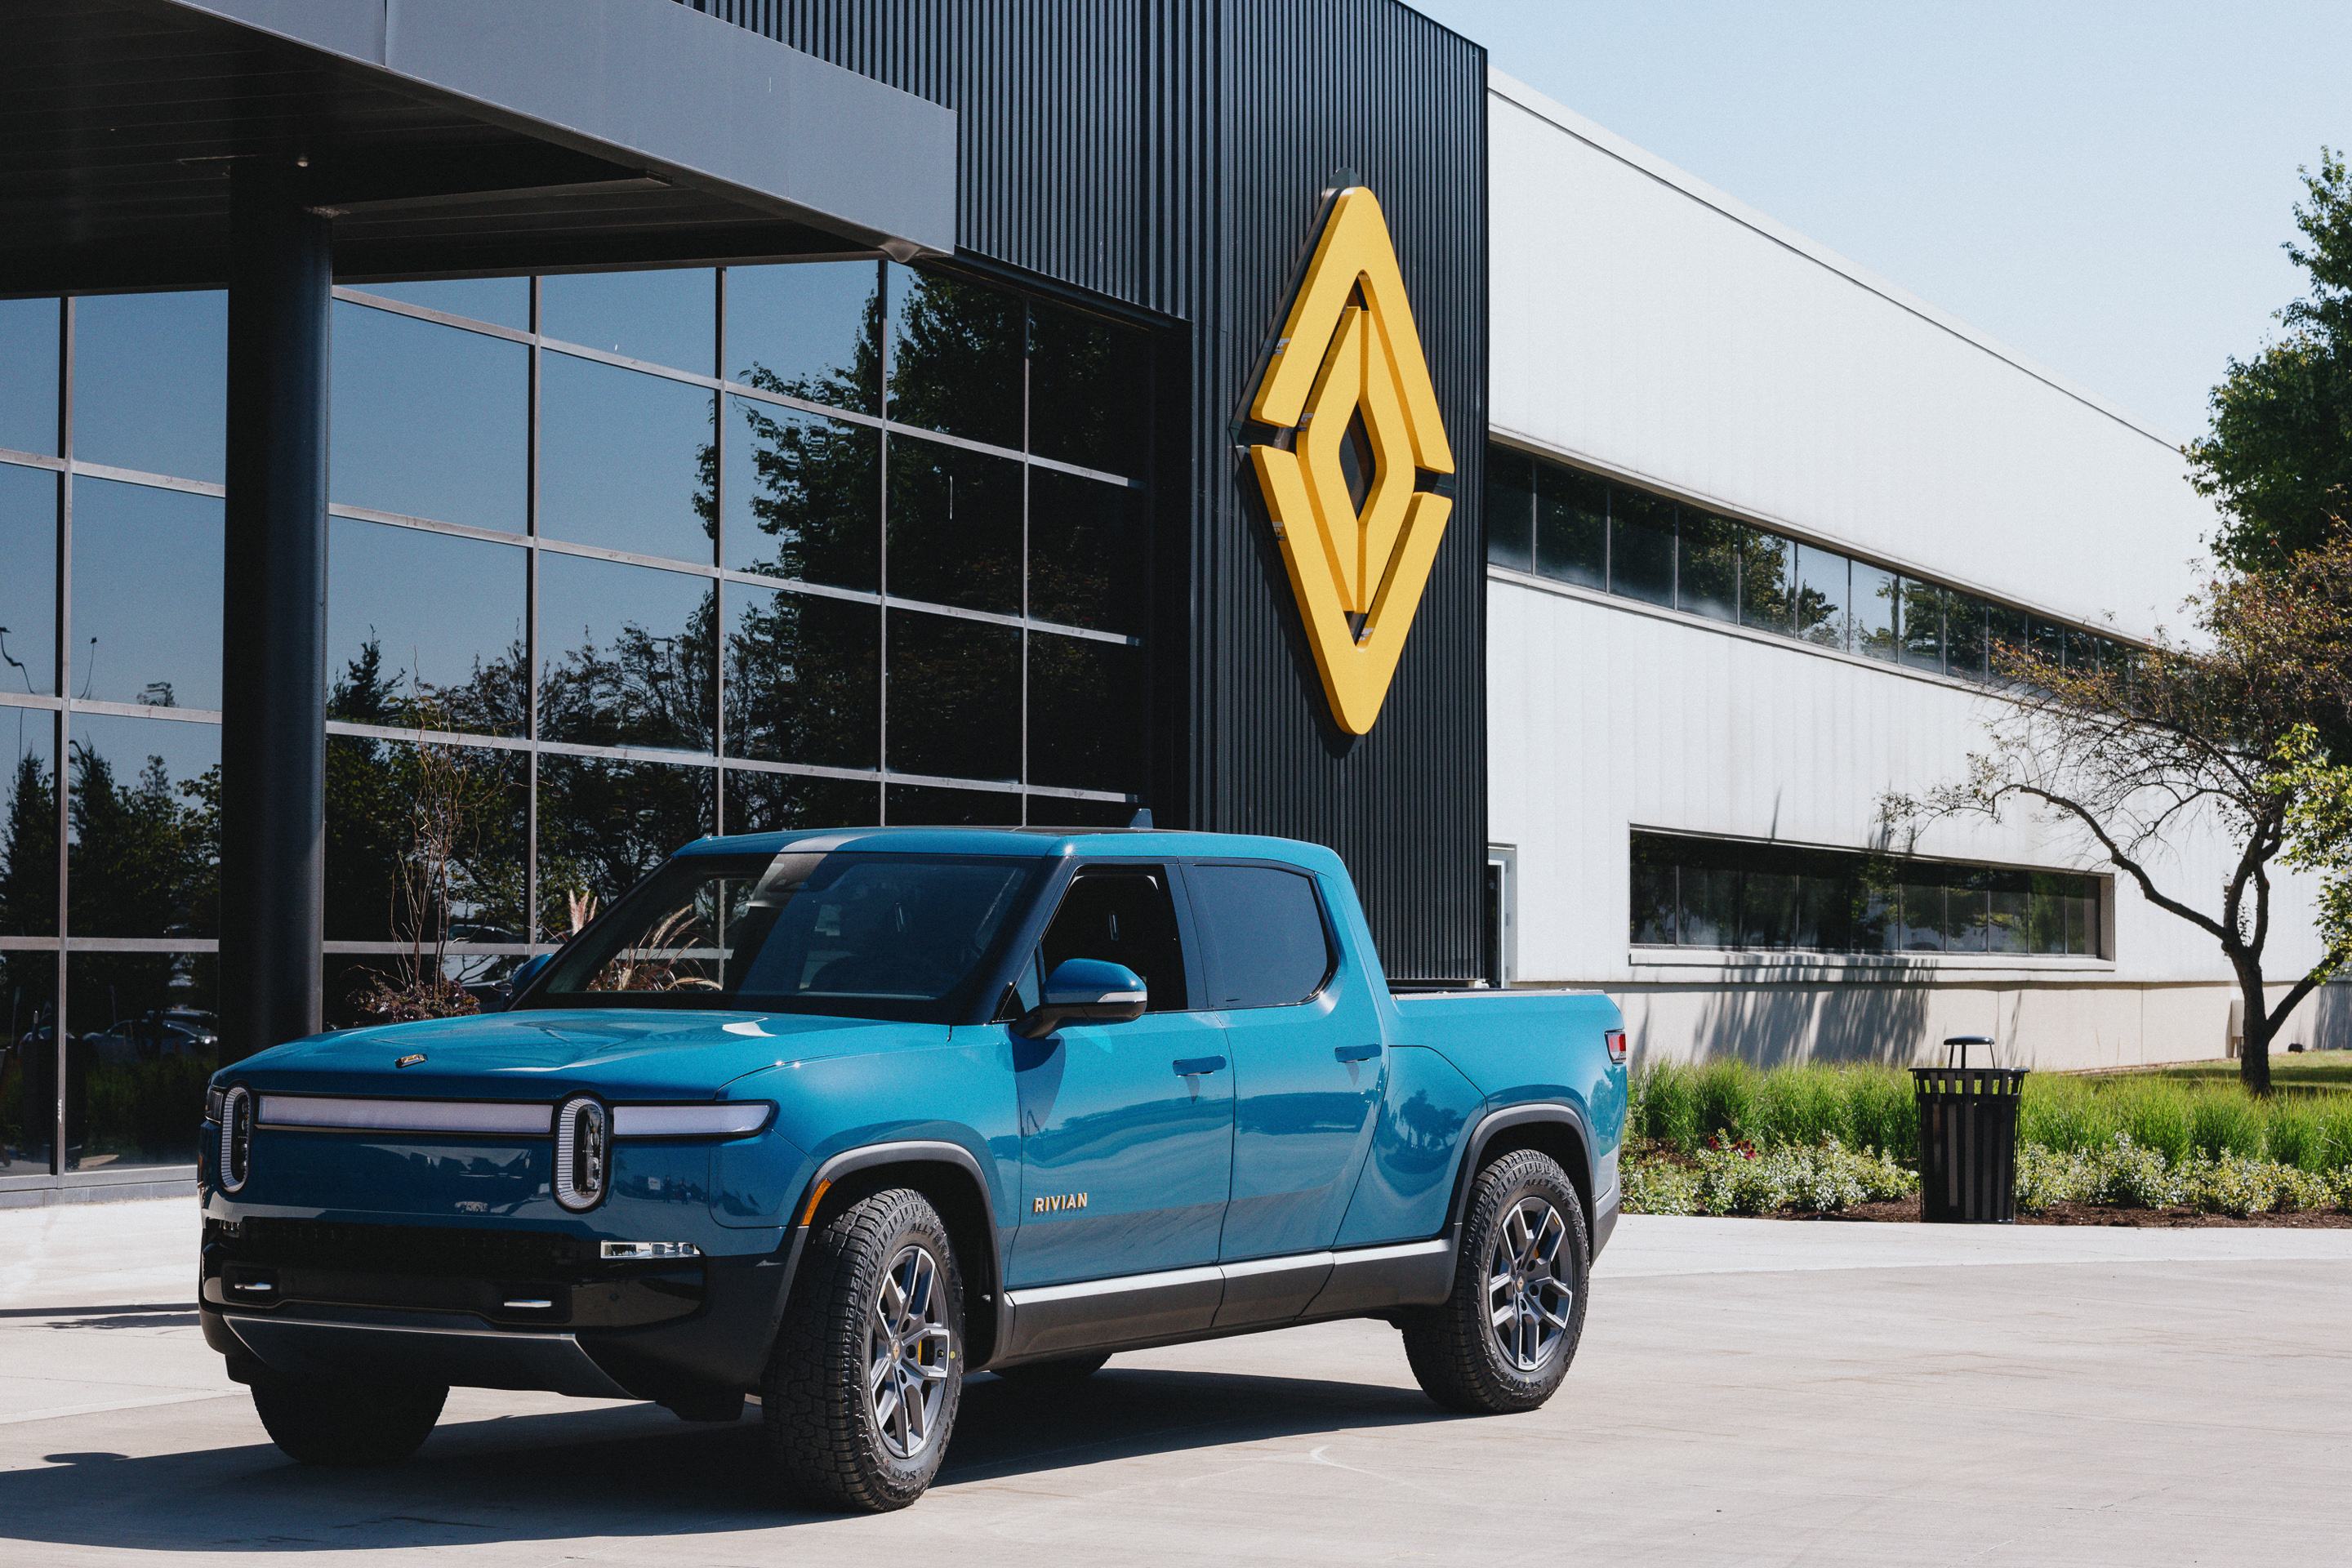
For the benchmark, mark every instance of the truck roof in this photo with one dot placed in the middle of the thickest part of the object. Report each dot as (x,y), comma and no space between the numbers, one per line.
(1028,843)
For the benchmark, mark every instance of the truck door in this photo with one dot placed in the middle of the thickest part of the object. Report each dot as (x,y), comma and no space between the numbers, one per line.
(1127,1129)
(1309,1062)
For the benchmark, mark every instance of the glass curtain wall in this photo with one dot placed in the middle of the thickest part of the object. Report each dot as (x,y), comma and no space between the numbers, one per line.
(1575,526)
(615,561)
(1708,892)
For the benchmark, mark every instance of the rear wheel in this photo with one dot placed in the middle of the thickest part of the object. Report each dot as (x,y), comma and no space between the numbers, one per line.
(861,1391)
(334,1421)
(1503,1341)
(1059,1372)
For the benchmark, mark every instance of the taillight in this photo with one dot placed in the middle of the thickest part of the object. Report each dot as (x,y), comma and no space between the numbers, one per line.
(1616,1038)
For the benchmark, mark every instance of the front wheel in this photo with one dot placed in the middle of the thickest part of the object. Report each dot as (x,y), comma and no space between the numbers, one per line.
(862,1388)
(1502,1341)
(334,1421)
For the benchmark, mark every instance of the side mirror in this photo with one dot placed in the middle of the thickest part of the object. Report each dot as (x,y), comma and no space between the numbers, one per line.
(525,972)
(1085,991)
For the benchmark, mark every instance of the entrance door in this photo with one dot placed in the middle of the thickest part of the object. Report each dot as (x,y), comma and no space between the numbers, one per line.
(1127,1129)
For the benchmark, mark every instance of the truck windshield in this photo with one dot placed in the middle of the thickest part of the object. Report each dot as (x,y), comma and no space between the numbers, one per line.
(861,935)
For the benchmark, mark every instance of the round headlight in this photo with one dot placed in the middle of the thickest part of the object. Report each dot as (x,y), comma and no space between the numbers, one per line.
(581,1132)
(236,1138)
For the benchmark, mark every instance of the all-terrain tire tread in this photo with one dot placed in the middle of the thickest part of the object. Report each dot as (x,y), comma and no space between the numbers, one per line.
(1449,1346)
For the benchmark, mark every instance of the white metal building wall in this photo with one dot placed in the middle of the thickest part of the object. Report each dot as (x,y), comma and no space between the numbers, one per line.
(1650,328)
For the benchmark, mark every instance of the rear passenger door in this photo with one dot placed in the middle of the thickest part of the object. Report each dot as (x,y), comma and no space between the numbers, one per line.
(1308,1059)
(1127,1129)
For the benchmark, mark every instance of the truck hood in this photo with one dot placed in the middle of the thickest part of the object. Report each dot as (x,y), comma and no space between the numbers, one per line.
(621,1053)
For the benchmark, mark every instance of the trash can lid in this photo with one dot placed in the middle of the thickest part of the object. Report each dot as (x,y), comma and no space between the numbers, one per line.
(1969,1040)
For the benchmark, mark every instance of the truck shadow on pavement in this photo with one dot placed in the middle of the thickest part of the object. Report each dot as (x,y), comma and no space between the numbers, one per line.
(633,1471)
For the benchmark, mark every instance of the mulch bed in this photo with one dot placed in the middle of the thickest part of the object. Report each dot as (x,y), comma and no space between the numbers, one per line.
(1906,1211)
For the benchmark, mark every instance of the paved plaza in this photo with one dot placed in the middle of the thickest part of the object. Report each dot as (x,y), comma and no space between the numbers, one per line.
(1748,1393)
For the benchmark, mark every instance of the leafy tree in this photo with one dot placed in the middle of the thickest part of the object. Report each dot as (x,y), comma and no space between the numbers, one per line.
(2278,458)
(2178,745)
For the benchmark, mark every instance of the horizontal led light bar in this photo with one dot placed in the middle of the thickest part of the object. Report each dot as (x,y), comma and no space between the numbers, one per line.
(644,1250)
(508,1117)
(726,1118)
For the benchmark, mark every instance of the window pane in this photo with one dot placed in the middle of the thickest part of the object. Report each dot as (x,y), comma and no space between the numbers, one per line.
(955,526)
(1706,581)
(143,834)
(604,825)
(146,595)
(1060,811)
(28,828)
(28,1090)
(663,317)
(1766,573)
(501,302)
(1877,926)
(1510,510)
(779,803)
(1265,933)
(403,821)
(28,375)
(28,585)
(1571,526)
(1921,625)
(1965,636)
(150,382)
(1771,908)
(1641,546)
(809,330)
(1710,889)
(2008,638)
(1087,709)
(2047,920)
(803,679)
(1921,909)
(955,357)
(917,805)
(954,698)
(1821,608)
(803,496)
(1825,899)
(1874,611)
(1089,391)
(625,655)
(1968,910)
(430,421)
(1087,552)
(424,630)
(149,1039)
(2083,916)
(624,459)
(1655,895)
(2009,893)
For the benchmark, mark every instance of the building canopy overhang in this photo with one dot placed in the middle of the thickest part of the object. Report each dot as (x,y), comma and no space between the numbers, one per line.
(446,137)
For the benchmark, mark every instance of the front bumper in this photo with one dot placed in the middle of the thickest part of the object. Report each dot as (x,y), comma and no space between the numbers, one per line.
(514,1309)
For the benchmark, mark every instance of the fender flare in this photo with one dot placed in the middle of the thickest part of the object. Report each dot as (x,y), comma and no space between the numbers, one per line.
(904,1151)
(1474,1147)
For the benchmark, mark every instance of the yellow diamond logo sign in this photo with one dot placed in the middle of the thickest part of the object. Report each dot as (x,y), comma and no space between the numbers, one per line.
(1350,391)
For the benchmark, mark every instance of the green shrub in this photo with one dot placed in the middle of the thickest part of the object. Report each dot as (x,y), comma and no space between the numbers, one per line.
(1881,1112)
(1738,1179)
(2335,1133)
(2066,1113)
(1657,1186)
(1800,1106)
(2226,1123)
(1666,1107)
(2158,1116)
(1727,1099)
(2295,1135)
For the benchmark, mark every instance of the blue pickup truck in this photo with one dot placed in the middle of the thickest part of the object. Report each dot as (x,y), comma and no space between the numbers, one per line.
(836,1119)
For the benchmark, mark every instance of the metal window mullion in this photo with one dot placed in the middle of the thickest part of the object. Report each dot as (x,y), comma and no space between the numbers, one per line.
(882,553)
(61,733)
(1028,441)
(530,631)
(719,556)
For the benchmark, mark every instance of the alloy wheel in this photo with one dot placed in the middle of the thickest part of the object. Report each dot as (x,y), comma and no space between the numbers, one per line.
(907,1347)
(1529,1305)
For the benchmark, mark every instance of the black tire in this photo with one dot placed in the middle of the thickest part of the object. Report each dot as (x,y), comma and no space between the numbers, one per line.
(1057,1374)
(830,1444)
(332,1421)
(1457,1353)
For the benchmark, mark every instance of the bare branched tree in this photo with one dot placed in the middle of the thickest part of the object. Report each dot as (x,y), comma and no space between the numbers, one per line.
(2161,747)
(449,791)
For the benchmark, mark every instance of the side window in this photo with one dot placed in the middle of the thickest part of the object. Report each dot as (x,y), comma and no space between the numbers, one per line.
(1126,917)
(1265,933)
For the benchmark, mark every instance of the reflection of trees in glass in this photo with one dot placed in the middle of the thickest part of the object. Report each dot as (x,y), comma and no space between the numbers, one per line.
(816,483)
(803,680)
(1088,391)
(28,858)
(641,690)
(956,358)
(604,823)
(1708,580)
(145,856)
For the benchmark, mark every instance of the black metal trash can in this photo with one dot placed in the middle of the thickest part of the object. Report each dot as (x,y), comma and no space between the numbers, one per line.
(1967,1138)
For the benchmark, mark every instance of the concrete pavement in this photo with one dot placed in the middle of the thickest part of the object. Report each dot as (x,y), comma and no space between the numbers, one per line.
(1747,1392)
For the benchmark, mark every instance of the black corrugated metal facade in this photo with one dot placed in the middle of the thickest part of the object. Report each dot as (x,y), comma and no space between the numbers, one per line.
(1171,154)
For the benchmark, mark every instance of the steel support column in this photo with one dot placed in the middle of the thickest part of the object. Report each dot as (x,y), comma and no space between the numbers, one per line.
(274,646)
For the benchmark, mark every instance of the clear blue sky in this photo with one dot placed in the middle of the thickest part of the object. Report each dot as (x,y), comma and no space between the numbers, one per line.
(2102,186)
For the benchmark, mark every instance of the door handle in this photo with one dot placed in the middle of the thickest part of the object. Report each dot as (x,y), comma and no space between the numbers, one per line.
(1355,1053)
(1191,1067)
